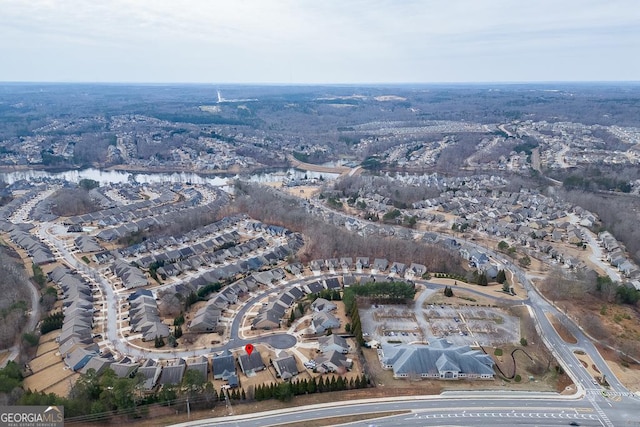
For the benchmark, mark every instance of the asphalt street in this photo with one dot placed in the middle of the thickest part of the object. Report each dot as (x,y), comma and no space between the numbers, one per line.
(474,409)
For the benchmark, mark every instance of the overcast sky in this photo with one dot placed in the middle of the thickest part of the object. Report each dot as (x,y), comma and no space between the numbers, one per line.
(319,41)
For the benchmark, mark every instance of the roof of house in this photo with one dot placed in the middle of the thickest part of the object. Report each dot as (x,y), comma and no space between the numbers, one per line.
(98,364)
(333,340)
(251,362)
(321,304)
(205,319)
(332,283)
(150,375)
(87,244)
(78,358)
(201,364)
(380,264)
(322,321)
(314,287)
(223,365)
(332,359)
(124,370)
(285,365)
(172,374)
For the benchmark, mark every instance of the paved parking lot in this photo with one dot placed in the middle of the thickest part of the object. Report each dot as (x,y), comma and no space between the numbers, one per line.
(462,325)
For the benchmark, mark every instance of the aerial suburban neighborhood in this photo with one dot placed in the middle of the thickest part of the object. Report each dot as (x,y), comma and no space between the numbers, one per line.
(215,262)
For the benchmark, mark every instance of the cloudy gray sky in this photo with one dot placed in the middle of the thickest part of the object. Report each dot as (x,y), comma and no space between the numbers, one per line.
(319,41)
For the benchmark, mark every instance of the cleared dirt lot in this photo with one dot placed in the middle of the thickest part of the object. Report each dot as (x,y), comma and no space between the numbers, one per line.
(629,375)
(49,371)
(52,378)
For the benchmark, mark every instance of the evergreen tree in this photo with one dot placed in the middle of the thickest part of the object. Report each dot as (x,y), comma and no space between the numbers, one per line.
(283,392)
(361,381)
(482,279)
(272,390)
(171,340)
(501,277)
(179,320)
(312,386)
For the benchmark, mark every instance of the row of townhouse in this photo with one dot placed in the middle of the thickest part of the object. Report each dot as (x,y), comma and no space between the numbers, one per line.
(617,257)
(37,250)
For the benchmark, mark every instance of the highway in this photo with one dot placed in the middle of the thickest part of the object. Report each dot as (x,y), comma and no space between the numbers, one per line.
(463,409)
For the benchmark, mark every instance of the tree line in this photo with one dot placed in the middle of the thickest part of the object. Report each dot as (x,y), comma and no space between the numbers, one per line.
(387,292)
(285,391)
(14,288)
(326,240)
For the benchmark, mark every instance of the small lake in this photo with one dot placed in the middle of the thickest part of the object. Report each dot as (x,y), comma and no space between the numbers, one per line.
(119,177)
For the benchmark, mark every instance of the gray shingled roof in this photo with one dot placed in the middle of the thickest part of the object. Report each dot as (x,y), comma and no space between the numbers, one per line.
(224,365)
(172,374)
(438,357)
(285,365)
(201,364)
(252,362)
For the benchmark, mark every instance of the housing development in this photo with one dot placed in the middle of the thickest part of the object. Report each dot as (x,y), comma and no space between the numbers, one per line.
(205,257)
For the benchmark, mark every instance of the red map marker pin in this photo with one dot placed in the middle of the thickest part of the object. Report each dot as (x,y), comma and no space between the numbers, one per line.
(249,349)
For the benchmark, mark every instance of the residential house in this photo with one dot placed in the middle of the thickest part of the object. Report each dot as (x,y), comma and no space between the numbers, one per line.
(332,361)
(251,363)
(333,342)
(223,365)
(380,264)
(321,304)
(200,364)
(78,358)
(206,318)
(322,321)
(172,374)
(150,373)
(285,366)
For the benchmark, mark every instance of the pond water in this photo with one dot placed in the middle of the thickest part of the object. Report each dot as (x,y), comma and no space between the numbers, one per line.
(118,177)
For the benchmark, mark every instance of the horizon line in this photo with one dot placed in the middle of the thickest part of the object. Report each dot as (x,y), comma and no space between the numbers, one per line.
(346,84)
